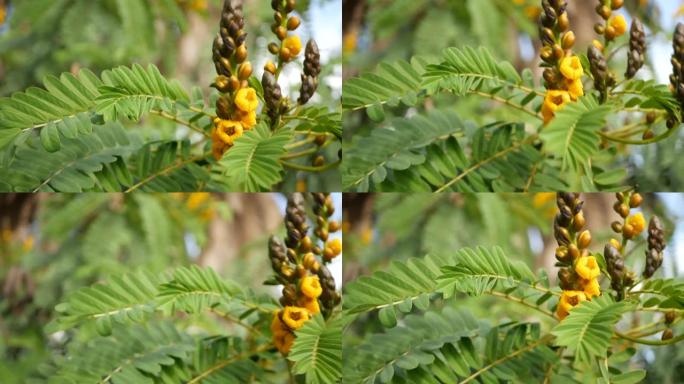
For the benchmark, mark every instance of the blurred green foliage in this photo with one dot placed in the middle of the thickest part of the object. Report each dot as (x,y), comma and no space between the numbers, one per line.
(396,227)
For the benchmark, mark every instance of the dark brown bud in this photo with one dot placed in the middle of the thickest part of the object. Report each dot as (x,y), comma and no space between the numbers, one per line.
(667,334)
(670,317)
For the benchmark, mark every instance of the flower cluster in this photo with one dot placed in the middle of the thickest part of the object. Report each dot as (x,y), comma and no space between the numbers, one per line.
(563,71)
(630,228)
(677,77)
(656,245)
(237,105)
(613,26)
(288,47)
(637,48)
(579,272)
(308,286)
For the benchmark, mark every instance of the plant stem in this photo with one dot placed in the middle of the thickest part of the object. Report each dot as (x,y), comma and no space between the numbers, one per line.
(307,168)
(529,347)
(650,342)
(521,301)
(166,170)
(179,121)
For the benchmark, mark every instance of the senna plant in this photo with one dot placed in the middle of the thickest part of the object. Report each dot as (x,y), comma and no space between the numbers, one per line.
(88,132)
(190,325)
(411,321)
(570,131)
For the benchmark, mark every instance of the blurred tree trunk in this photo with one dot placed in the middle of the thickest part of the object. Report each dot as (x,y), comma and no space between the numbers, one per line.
(254,215)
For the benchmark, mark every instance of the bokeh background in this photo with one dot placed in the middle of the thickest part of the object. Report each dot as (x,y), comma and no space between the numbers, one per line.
(386,30)
(381,228)
(53,244)
(49,37)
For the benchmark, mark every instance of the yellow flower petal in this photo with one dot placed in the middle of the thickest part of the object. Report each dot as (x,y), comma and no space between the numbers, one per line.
(587,267)
(295,317)
(575,88)
(311,286)
(571,67)
(293,44)
(619,24)
(637,222)
(246,99)
(591,288)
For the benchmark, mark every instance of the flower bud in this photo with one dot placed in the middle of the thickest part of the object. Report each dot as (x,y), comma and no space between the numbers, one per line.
(270,67)
(333,226)
(284,54)
(305,244)
(667,334)
(292,23)
(616,226)
(669,317)
(635,200)
(563,22)
(245,70)
(281,33)
(578,221)
(584,239)
(241,53)
(568,40)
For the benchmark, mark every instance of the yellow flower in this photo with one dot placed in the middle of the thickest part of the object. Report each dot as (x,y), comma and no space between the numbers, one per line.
(568,301)
(310,304)
(293,44)
(295,317)
(575,88)
(227,130)
(571,67)
(246,99)
(554,100)
(277,326)
(619,24)
(282,337)
(637,222)
(310,286)
(587,267)
(335,245)
(284,342)
(591,288)
(248,119)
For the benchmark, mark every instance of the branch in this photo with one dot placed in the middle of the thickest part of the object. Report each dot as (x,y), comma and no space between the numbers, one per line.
(650,342)
(484,162)
(529,347)
(179,121)
(167,170)
(521,301)
(307,168)
(228,361)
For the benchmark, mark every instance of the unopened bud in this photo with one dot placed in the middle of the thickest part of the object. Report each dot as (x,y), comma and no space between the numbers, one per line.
(245,70)
(293,22)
